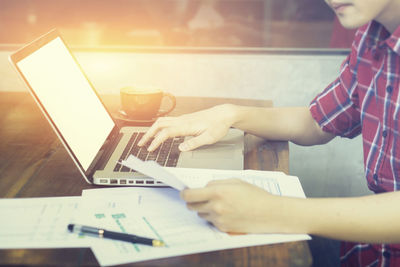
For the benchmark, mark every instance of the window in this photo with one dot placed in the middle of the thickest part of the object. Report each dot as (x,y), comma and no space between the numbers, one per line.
(175,23)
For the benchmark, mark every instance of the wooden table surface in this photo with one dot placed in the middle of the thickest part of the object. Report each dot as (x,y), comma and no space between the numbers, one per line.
(33,163)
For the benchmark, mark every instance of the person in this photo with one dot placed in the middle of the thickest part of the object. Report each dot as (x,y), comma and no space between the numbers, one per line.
(364,100)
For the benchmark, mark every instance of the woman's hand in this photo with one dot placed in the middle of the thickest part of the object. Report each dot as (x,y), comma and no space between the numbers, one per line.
(207,126)
(235,206)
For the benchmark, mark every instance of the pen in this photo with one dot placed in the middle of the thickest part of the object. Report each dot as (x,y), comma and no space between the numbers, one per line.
(76,228)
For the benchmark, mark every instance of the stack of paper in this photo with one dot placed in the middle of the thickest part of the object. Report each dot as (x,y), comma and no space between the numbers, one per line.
(39,223)
(157,213)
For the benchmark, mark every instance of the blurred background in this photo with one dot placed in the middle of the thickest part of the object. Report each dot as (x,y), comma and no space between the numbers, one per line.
(174,23)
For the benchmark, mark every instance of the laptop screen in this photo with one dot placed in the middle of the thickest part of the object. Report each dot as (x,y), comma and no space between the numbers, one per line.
(68,98)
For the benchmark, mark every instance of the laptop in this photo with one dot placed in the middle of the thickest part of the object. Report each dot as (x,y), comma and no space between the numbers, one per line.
(87,130)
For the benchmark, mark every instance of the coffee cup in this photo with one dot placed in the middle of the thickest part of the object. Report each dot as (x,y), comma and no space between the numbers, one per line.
(144,103)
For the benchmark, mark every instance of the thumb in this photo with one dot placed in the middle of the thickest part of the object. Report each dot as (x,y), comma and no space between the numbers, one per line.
(195,142)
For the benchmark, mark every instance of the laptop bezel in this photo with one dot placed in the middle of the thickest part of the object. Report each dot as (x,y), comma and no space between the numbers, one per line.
(27,50)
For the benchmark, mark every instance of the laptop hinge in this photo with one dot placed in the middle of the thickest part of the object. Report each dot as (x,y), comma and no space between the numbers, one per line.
(105,152)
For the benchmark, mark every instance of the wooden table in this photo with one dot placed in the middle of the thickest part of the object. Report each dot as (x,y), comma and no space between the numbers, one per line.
(33,163)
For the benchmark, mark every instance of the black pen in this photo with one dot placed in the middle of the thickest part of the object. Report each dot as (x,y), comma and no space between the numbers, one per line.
(76,228)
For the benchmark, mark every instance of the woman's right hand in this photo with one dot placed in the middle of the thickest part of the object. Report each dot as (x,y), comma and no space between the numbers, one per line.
(206,126)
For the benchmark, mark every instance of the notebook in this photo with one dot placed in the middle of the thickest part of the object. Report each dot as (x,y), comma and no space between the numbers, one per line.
(87,130)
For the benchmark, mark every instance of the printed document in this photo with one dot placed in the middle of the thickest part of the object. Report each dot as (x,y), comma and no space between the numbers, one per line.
(39,223)
(159,213)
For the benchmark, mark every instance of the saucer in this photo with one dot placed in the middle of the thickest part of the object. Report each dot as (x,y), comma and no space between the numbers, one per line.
(121,115)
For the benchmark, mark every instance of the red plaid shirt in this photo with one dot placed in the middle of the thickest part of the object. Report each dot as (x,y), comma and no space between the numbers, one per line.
(365,100)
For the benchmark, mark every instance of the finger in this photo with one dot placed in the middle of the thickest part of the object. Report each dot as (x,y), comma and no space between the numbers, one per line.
(163,135)
(205,216)
(213,208)
(160,137)
(153,130)
(148,135)
(196,195)
(201,207)
(211,220)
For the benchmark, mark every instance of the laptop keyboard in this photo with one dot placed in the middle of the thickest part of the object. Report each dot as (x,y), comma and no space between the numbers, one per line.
(166,154)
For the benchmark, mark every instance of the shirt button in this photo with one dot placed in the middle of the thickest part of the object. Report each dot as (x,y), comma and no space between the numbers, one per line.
(375,176)
(389,89)
(384,133)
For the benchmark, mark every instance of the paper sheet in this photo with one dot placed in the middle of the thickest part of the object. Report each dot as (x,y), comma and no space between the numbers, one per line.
(179,178)
(153,212)
(161,214)
(39,223)
(153,170)
(276,183)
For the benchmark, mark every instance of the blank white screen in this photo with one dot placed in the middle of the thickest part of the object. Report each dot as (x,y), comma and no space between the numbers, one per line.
(68,98)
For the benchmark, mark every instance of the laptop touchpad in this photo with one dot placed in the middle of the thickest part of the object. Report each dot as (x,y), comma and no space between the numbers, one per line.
(221,151)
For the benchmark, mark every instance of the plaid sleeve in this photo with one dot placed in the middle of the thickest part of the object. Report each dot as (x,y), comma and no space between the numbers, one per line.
(336,109)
